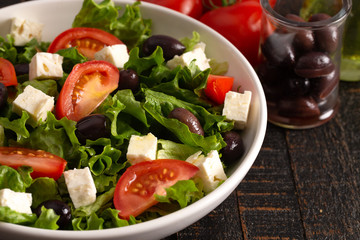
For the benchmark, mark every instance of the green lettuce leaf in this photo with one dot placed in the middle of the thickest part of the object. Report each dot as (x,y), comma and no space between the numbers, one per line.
(183,192)
(17,125)
(159,105)
(130,27)
(16,180)
(43,189)
(47,219)
(100,202)
(92,222)
(11,216)
(54,136)
(172,150)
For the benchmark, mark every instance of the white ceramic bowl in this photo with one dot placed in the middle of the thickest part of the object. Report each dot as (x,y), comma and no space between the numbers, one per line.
(57,15)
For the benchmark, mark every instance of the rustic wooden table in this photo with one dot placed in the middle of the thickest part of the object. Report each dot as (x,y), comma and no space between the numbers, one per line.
(305,184)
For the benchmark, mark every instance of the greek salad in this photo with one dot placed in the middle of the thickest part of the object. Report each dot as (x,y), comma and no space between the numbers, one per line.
(109,125)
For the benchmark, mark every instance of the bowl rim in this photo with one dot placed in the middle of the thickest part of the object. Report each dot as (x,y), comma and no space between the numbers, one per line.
(213,199)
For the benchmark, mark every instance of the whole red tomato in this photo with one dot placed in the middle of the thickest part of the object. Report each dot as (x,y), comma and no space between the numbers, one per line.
(192,8)
(240,24)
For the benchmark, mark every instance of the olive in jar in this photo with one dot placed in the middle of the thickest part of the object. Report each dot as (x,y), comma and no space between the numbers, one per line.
(188,118)
(169,45)
(328,38)
(314,64)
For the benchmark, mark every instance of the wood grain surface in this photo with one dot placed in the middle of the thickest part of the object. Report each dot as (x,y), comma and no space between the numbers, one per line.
(304,184)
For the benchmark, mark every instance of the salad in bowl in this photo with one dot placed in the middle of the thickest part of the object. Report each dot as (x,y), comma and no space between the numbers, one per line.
(112,122)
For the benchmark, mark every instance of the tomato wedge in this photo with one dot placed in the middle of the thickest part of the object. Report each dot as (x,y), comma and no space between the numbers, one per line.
(44,164)
(87,40)
(135,190)
(86,87)
(217,87)
(7,73)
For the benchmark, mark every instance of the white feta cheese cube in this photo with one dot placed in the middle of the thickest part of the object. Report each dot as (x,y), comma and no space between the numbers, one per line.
(35,102)
(211,170)
(236,108)
(17,201)
(116,54)
(23,30)
(198,53)
(46,66)
(81,186)
(141,148)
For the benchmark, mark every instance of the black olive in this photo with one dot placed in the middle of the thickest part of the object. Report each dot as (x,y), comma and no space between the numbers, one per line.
(3,95)
(92,127)
(169,45)
(314,64)
(298,107)
(21,68)
(60,208)
(186,117)
(234,147)
(327,39)
(304,39)
(129,79)
(278,49)
(323,86)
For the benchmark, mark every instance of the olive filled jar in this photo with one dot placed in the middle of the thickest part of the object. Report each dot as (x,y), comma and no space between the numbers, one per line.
(300,61)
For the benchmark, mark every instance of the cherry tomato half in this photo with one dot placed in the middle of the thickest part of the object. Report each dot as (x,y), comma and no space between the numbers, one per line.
(7,73)
(217,87)
(86,87)
(44,164)
(134,192)
(192,8)
(87,40)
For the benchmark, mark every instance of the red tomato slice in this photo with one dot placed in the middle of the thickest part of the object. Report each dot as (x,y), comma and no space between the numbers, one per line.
(134,192)
(43,163)
(86,87)
(192,8)
(7,73)
(87,40)
(217,87)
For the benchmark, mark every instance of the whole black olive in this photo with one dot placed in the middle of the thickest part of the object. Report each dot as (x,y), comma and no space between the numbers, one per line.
(60,208)
(323,86)
(21,68)
(92,127)
(314,64)
(129,79)
(298,107)
(327,39)
(234,147)
(169,45)
(304,39)
(186,117)
(3,95)
(278,49)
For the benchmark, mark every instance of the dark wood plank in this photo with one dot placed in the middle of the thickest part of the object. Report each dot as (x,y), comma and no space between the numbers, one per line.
(325,161)
(222,223)
(267,196)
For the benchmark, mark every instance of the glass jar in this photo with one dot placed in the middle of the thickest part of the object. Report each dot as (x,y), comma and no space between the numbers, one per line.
(300,61)
(350,61)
